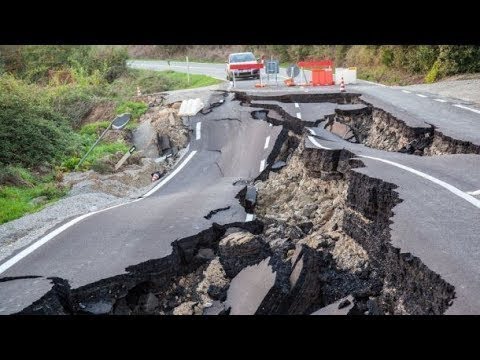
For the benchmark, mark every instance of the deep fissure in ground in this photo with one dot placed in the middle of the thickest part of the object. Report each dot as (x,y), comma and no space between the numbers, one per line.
(365,123)
(321,234)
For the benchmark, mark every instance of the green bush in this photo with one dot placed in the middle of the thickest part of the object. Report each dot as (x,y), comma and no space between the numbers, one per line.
(460,58)
(74,102)
(31,132)
(33,62)
(387,57)
(433,74)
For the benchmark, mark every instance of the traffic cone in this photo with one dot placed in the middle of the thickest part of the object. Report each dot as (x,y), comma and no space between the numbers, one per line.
(342,86)
(139,93)
(289,82)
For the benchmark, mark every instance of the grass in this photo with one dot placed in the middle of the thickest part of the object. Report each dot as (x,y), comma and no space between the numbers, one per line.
(388,76)
(151,81)
(179,80)
(15,200)
(181,59)
(89,133)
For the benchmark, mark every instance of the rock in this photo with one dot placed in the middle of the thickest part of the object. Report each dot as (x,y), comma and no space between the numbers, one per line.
(206,253)
(217,308)
(250,198)
(151,303)
(309,209)
(248,289)
(373,307)
(98,308)
(171,119)
(306,227)
(294,233)
(335,309)
(38,201)
(214,283)
(122,308)
(240,182)
(304,281)
(186,308)
(278,165)
(279,244)
(232,230)
(144,138)
(241,249)
(344,303)
(163,143)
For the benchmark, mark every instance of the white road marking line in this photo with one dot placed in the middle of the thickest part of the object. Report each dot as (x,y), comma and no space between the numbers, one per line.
(407,92)
(8,264)
(262,165)
(198,130)
(169,177)
(267,141)
(311,131)
(421,95)
(249,217)
(477,192)
(296,105)
(440,100)
(373,83)
(299,115)
(467,108)
(317,144)
(451,188)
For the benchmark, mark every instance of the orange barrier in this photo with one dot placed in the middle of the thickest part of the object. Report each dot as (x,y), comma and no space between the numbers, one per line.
(322,73)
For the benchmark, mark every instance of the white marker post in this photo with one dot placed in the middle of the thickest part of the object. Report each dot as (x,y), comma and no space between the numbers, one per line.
(304,76)
(188,70)
(233,73)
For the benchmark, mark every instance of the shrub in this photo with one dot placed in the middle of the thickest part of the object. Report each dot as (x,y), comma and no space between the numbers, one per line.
(31,132)
(433,74)
(387,57)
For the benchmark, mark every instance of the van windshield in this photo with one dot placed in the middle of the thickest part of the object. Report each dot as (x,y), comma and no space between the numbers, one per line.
(242,57)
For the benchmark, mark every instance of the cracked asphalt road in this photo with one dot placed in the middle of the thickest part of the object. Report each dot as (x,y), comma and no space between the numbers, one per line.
(104,244)
(432,222)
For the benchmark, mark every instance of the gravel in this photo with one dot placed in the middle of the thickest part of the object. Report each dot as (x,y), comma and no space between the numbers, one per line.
(466,88)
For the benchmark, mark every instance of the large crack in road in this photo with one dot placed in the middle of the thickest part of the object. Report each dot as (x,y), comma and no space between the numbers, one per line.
(321,240)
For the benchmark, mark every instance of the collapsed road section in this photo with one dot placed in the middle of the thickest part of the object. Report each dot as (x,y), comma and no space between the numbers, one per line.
(341,225)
